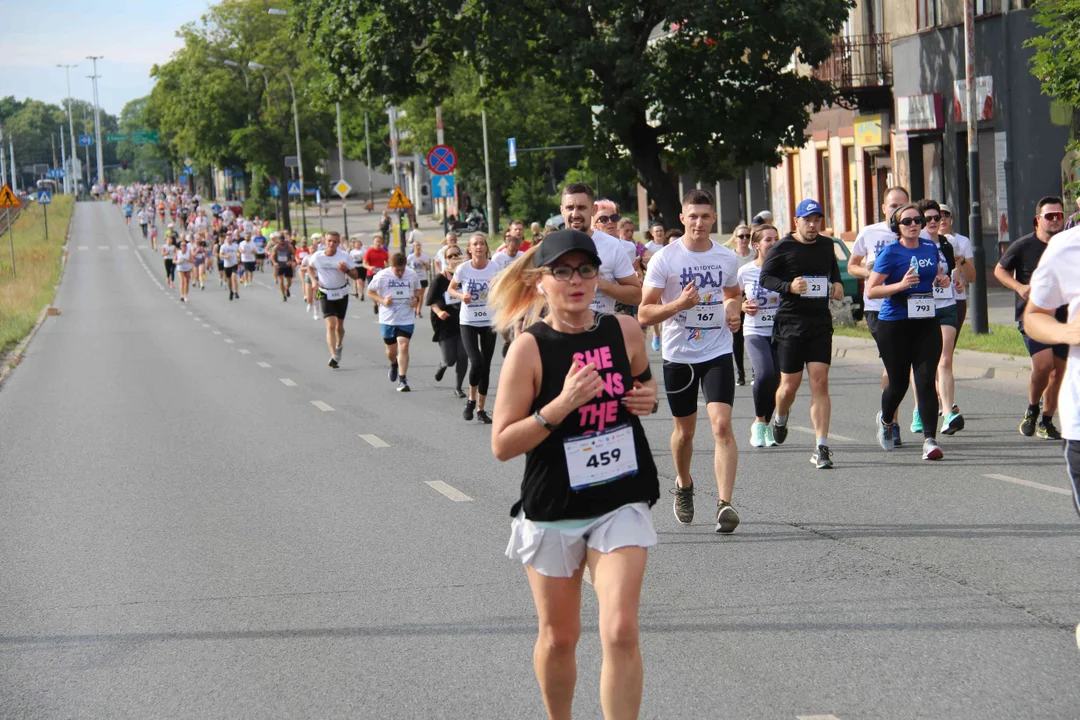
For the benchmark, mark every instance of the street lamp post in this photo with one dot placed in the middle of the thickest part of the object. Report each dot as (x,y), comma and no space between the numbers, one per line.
(71,131)
(296,127)
(97,124)
(341,172)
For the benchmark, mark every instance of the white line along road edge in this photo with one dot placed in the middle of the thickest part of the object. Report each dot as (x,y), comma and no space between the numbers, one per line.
(450,492)
(1029,483)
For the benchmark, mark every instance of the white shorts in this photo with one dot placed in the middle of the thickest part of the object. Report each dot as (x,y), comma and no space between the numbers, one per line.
(558,553)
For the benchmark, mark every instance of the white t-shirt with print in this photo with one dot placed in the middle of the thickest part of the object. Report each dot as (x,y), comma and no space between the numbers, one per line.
(961,249)
(247,251)
(614,266)
(502,260)
(401,290)
(871,240)
(700,333)
(333,283)
(476,283)
(768,301)
(228,254)
(1054,283)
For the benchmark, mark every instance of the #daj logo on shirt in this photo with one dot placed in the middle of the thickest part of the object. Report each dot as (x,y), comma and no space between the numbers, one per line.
(702,276)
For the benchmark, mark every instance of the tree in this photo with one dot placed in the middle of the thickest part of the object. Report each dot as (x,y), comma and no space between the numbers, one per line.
(1057,57)
(701,87)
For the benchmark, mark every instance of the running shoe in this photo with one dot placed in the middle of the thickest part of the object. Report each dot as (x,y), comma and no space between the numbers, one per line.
(288,292)
(952,424)
(459,393)
(727,519)
(656,342)
(333,362)
(740,380)
(392,374)
(308,306)
(230,294)
(779,432)
(896,435)
(439,372)
(315,314)
(884,433)
(769,440)
(337,352)
(684,504)
(1031,419)
(931,450)
(470,408)
(403,386)
(822,458)
(482,417)
(757,434)
(1047,431)
(237,295)
(916,421)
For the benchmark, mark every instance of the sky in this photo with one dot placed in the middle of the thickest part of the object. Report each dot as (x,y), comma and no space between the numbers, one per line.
(131,35)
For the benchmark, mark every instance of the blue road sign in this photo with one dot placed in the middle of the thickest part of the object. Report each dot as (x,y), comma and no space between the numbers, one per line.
(44,197)
(275,191)
(294,188)
(86,140)
(56,174)
(511,144)
(442,186)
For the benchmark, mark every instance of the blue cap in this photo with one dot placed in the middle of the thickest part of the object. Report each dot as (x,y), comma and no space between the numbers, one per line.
(807,208)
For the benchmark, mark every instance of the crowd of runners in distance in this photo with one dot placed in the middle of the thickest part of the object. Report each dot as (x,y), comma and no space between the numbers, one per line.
(576,310)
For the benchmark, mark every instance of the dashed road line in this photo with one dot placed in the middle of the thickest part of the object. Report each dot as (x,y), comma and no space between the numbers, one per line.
(229,341)
(1028,483)
(217,332)
(242,351)
(447,490)
(287,382)
(262,364)
(375,441)
(816,717)
(102,247)
(121,247)
(322,406)
(811,431)
(205,325)
(84,247)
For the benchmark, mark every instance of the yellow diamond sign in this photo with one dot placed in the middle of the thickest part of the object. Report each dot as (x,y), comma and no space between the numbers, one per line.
(342,188)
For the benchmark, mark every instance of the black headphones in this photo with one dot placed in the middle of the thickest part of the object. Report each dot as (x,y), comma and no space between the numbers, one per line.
(894,222)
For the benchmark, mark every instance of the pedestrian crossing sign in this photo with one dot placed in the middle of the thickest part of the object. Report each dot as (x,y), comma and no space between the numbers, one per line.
(8,199)
(398,201)
(294,188)
(44,197)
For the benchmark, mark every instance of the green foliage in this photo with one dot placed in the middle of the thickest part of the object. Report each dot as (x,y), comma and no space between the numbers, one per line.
(259,203)
(1057,50)
(703,87)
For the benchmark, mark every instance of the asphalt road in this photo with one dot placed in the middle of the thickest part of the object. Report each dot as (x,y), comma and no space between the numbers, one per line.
(185,534)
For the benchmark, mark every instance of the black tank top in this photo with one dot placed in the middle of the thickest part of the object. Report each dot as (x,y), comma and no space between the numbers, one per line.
(546,492)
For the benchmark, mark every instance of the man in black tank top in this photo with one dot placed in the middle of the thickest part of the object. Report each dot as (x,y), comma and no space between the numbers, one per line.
(569,398)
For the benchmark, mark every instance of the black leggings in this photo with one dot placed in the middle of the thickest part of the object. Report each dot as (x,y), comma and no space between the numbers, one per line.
(453,355)
(766,365)
(170,269)
(909,346)
(480,347)
(737,343)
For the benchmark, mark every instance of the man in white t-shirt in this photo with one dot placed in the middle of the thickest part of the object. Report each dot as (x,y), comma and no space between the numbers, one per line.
(229,257)
(248,252)
(617,280)
(331,270)
(692,287)
(397,291)
(510,252)
(1055,283)
(871,240)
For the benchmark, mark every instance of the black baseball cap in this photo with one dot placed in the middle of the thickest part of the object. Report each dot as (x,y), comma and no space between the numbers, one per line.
(560,242)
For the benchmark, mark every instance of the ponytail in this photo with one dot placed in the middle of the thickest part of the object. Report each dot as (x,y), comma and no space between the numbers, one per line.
(513,294)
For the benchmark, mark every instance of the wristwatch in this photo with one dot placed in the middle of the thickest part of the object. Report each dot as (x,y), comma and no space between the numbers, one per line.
(540,419)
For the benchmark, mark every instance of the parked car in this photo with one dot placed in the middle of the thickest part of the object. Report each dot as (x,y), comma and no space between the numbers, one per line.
(853,287)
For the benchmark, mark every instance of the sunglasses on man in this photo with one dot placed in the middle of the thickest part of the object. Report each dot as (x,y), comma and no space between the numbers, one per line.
(1053,216)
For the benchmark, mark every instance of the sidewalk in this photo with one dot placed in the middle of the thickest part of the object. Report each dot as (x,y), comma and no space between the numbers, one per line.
(967,364)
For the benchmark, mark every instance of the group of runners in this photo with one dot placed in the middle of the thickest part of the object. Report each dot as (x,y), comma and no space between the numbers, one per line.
(575,312)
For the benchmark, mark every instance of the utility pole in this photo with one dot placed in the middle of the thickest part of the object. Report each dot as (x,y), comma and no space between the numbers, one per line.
(341,172)
(11,156)
(3,164)
(97,123)
(487,163)
(394,169)
(74,175)
(63,159)
(980,319)
(367,143)
(440,139)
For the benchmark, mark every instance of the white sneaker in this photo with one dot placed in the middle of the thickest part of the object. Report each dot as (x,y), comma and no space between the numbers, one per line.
(308,308)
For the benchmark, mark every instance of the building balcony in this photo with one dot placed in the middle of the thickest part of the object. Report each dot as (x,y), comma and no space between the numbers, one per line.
(858,62)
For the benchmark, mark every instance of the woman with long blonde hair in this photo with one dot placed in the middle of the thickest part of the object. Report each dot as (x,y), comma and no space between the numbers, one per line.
(470,285)
(570,396)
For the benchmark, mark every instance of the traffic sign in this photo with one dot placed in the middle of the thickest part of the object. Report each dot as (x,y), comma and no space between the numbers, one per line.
(342,188)
(443,187)
(144,137)
(56,173)
(441,160)
(86,140)
(44,197)
(294,188)
(275,191)
(8,199)
(398,201)
(188,162)
(511,144)
(116,138)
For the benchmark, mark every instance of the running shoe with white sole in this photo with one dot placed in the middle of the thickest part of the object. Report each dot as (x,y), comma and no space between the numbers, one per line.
(779,432)
(727,519)
(931,450)
(1047,431)
(757,434)
(952,423)
(769,441)
(684,504)
(916,421)
(822,458)
(403,386)
(333,362)
(884,434)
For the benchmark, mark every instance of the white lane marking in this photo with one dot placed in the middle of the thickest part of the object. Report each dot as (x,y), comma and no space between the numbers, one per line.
(450,492)
(374,441)
(121,247)
(287,382)
(228,340)
(358,317)
(1028,483)
(102,247)
(322,406)
(811,431)
(190,313)
(206,325)
(263,364)
(84,247)
(244,352)
(217,332)
(816,717)
(197,319)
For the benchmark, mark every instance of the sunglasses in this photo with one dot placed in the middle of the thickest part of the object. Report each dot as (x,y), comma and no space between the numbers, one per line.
(920,221)
(563,273)
(1053,216)
(932,218)
(608,218)
(743,237)
(453,257)
(946,213)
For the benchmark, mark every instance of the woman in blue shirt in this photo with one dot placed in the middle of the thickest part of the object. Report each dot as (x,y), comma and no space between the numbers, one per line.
(909,336)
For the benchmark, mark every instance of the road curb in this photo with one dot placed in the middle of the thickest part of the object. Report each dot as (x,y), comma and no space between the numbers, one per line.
(15,356)
(967,364)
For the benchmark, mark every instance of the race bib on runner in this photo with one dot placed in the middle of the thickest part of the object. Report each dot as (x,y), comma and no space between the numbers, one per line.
(477,313)
(706,316)
(600,458)
(335,293)
(817,286)
(920,306)
(766,317)
(943,293)
(449,299)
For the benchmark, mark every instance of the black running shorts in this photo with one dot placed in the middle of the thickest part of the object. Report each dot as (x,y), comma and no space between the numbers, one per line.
(715,377)
(285,270)
(796,352)
(333,308)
